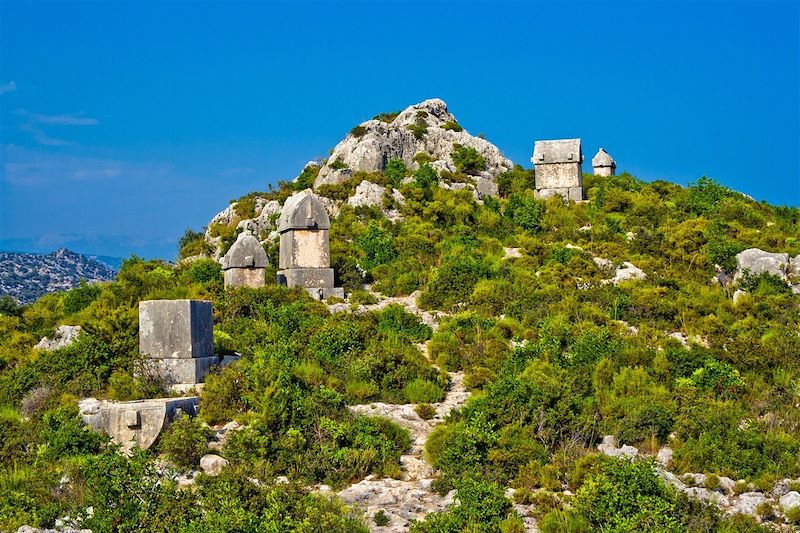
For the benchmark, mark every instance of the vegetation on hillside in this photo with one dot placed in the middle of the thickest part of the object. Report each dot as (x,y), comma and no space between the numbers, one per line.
(555,356)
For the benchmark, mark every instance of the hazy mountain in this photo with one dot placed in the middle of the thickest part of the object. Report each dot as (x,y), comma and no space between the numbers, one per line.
(27,276)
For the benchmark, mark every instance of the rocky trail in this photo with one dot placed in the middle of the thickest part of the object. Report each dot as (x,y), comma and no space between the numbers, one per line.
(409,498)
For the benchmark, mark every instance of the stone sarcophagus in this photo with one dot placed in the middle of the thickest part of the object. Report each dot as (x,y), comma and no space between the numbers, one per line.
(603,164)
(304,246)
(245,263)
(176,339)
(137,423)
(558,169)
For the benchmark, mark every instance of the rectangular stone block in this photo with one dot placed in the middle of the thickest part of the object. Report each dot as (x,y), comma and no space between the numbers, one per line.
(306,248)
(171,371)
(244,277)
(306,277)
(558,175)
(178,329)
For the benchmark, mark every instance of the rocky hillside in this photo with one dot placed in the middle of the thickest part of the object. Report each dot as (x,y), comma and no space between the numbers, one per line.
(500,363)
(422,137)
(424,132)
(26,276)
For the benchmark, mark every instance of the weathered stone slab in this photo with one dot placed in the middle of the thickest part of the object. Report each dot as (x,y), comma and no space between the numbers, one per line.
(245,277)
(178,329)
(136,423)
(308,248)
(306,277)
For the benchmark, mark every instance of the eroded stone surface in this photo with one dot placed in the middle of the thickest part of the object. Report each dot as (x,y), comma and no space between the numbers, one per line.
(378,142)
(136,423)
(408,498)
(63,337)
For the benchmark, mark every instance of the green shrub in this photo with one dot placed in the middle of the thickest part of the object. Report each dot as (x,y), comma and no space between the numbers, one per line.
(419,128)
(123,386)
(205,271)
(185,441)
(467,159)
(338,164)
(358,131)
(422,158)
(425,411)
(525,211)
(558,521)
(386,117)
(395,319)
(64,434)
(423,391)
(221,399)
(80,297)
(377,246)
(793,515)
(425,177)
(483,507)
(395,171)
(452,125)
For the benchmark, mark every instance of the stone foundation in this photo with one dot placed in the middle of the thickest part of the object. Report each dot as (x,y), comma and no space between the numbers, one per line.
(310,278)
(180,371)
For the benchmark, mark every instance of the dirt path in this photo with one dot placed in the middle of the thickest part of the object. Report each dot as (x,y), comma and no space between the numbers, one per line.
(408,498)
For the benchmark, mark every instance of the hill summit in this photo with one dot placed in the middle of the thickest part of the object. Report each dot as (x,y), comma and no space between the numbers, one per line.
(423,132)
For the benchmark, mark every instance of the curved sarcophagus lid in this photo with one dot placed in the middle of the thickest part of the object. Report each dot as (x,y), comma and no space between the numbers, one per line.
(138,423)
(303,210)
(246,252)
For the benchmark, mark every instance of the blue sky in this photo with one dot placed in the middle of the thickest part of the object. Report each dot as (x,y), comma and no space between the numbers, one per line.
(124,123)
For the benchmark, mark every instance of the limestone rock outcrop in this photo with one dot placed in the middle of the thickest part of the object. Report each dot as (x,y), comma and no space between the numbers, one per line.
(427,128)
(63,337)
(755,261)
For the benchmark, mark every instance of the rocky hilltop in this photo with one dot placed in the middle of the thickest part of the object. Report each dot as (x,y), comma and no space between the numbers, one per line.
(424,132)
(26,276)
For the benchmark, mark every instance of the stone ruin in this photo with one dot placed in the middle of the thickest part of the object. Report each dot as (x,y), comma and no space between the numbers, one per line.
(246,263)
(603,164)
(137,423)
(177,340)
(304,247)
(557,168)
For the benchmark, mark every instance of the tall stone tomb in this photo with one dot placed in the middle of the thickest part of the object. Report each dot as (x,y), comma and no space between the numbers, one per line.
(305,249)
(603,164)
(557,166)
(176,337)
(245,263)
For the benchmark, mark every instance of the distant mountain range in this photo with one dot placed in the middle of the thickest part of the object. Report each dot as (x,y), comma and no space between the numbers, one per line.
(27,276)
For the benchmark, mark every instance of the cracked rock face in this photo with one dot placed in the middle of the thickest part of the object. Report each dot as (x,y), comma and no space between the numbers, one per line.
(376,142)
(756,261)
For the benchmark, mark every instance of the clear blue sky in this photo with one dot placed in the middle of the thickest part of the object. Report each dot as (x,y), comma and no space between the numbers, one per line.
(124,123)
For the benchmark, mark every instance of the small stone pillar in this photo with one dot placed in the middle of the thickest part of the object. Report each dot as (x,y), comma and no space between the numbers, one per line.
(305,249)
(177,338)
(603,164)
(558,169)
(245,263)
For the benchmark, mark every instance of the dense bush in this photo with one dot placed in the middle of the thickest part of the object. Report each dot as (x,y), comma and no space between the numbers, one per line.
(467,159)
